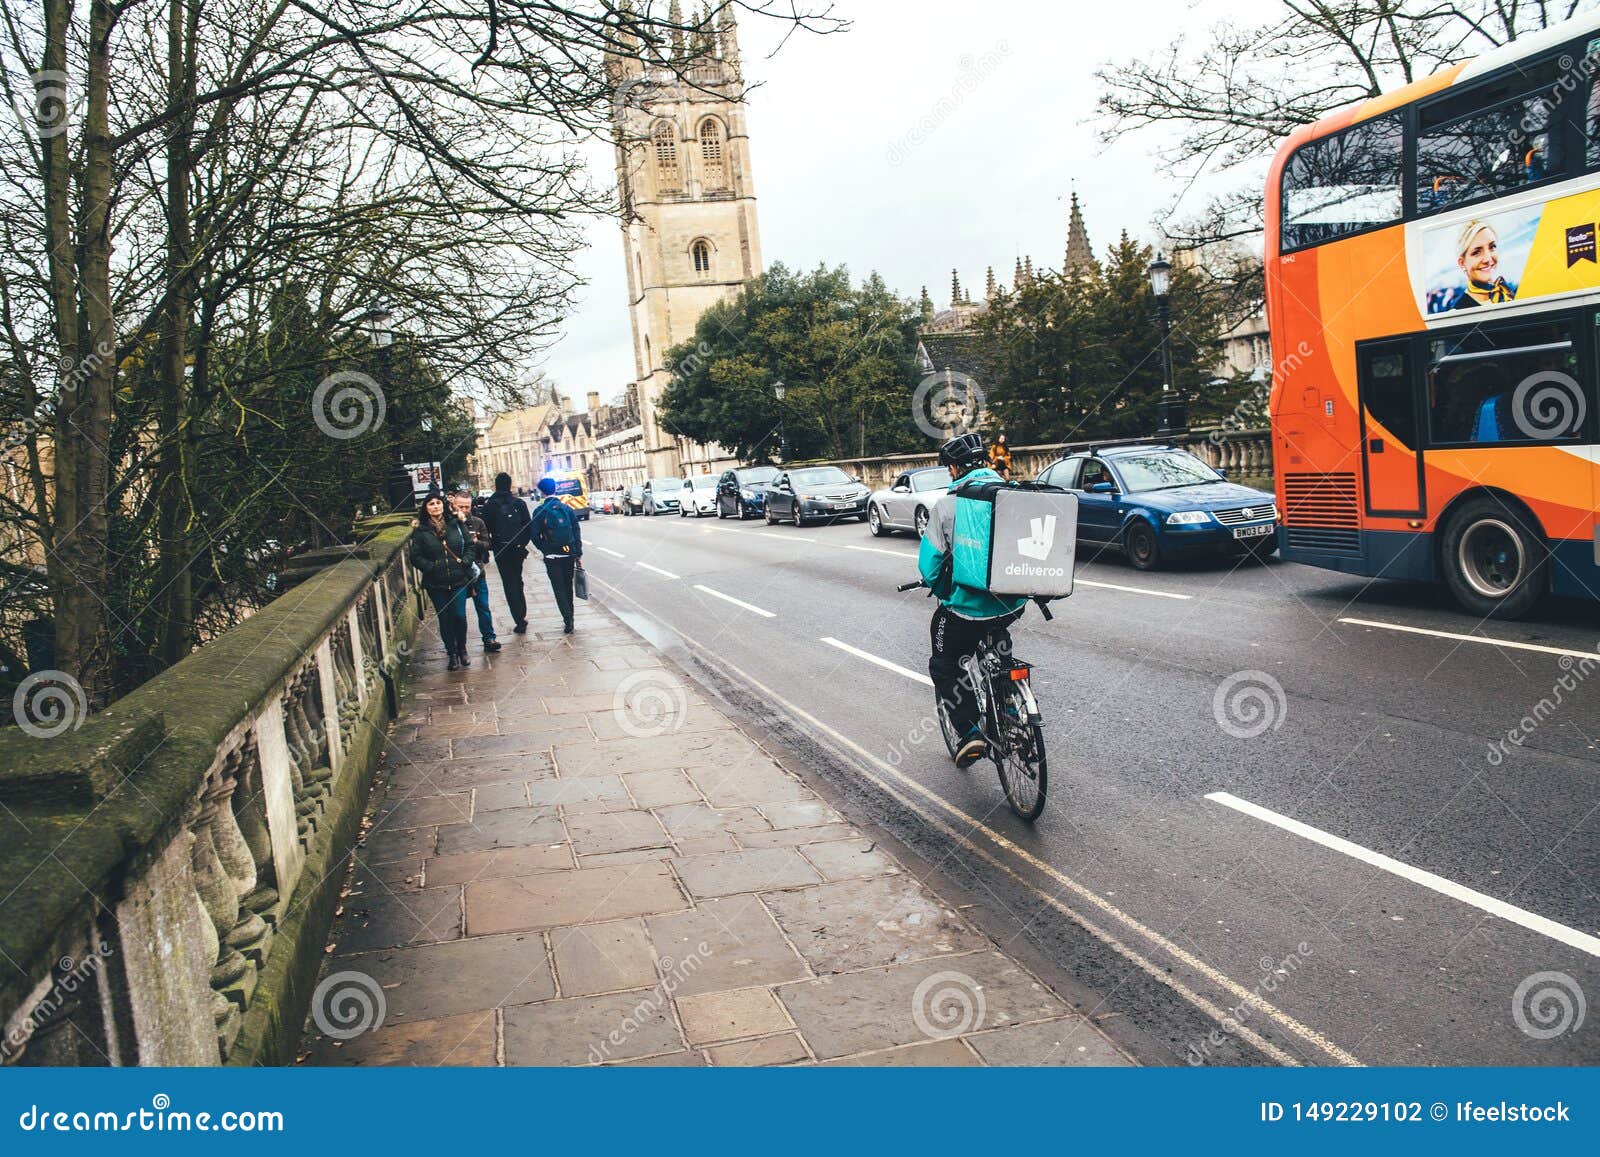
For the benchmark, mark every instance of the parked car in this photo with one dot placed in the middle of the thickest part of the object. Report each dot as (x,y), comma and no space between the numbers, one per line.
(603,502)
(820,492)
(661,495)
(698,496)
(907,502)
(1156,503)
(742,493)
(633,499)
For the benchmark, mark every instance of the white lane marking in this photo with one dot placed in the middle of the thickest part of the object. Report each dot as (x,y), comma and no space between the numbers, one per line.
(969,823)
(658,570)
(1571,937)
(1472,638)
(1130,590)
(735,602)
(884,663)
(608,550)
(785,537)
(876,550)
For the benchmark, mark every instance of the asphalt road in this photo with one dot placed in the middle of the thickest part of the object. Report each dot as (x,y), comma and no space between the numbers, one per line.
(1273,835)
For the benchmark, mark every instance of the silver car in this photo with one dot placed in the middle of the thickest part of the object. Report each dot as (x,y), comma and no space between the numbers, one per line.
(907,501)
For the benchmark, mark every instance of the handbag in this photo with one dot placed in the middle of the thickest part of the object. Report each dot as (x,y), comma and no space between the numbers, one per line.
(580,583)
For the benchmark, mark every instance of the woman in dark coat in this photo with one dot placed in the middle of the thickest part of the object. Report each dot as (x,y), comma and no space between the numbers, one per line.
(441,550)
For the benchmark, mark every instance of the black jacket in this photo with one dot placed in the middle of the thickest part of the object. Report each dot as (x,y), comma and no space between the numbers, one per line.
(444,564)
(508,521)
(480,539)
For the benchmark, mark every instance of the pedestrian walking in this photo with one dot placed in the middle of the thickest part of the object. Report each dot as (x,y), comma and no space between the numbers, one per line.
(441,549)
(508,520)
(461,500)
(1000,457)
(553,530)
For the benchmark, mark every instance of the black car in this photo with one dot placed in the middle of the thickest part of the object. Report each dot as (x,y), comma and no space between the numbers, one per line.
(826,493)
(742,493)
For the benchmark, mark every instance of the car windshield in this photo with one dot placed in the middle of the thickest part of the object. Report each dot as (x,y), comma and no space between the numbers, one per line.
(666,484)
(930,480)
(756,474)
(819,476)
(1163,470)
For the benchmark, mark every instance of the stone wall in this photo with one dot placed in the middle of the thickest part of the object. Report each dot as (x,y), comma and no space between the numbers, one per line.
(1246,456)
(171,866)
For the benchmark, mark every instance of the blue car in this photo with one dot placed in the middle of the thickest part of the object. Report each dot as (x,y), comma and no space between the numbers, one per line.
(1156,503)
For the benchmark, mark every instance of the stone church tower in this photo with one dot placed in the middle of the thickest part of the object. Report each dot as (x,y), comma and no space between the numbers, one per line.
(689,231)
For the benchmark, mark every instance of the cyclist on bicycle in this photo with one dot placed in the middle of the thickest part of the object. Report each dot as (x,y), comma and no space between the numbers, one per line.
(965,614)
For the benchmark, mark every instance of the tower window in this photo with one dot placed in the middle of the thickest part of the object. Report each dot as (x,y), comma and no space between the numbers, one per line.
(701,251)
(666,145)
(713,162)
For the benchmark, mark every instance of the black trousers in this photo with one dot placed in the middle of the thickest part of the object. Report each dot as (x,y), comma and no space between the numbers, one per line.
(560,572)
(509,563)
(451,607)
(953,639)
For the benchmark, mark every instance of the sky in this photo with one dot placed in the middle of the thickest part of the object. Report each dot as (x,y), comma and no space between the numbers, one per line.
(931,135)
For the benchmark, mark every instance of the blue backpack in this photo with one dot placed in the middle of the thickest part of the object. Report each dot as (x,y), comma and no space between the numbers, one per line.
(555,528)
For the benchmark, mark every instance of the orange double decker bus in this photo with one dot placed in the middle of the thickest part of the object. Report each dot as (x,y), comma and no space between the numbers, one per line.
(1433,291)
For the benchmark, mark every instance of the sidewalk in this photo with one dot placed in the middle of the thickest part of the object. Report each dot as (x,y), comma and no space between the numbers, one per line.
(576,859)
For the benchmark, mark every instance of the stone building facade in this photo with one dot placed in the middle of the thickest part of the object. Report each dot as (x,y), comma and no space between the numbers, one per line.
(689,230)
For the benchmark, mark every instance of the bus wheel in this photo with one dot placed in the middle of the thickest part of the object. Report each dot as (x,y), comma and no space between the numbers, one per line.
(1495,564)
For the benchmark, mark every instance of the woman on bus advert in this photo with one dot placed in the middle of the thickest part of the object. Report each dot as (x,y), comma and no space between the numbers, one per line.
(1478,258)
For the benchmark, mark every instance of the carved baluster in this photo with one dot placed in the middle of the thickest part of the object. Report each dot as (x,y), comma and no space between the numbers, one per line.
(249,934)
(219,909)
(250,814)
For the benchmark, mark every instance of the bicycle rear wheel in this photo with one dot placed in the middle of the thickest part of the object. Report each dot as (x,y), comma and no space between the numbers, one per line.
(947,727)
(1020,756)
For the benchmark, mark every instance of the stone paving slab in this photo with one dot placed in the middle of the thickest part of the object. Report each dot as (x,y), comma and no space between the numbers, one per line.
(547,879)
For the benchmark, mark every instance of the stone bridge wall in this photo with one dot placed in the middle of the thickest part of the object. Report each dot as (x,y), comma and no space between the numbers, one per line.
(170,868)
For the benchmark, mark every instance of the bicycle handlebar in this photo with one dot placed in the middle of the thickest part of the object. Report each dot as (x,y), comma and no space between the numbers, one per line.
(1042,604)
(909,586)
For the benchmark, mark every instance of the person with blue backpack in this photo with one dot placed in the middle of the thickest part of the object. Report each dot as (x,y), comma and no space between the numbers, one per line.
(966,614)
(554,533)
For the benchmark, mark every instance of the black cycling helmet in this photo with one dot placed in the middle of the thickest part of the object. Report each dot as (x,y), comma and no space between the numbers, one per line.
(963,450)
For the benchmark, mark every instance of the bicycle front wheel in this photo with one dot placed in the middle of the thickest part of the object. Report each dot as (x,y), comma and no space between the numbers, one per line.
(947,726)
(1024,769)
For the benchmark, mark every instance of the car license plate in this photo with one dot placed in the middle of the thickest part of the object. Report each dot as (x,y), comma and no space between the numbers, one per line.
(843,505)
(1261,531)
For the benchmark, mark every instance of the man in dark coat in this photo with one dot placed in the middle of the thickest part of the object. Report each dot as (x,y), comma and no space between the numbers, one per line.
(508,519)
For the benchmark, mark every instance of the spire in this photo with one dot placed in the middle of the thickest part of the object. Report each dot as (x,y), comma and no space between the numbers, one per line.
(1016,276)
(1027,269)
(675,18)
(955,288)
(1079,254)
(989,286)
(926,305)
(729,36)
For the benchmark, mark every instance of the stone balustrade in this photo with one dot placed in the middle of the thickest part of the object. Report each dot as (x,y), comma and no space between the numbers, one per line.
(170,868)
(1246,456)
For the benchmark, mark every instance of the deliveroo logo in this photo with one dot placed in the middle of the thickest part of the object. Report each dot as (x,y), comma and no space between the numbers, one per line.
(1037,545)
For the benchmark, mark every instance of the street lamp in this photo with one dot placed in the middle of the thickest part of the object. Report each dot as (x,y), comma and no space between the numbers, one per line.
(433,449)
(1169,411)
(778,390)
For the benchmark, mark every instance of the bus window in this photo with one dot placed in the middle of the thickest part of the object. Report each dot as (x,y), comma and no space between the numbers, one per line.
(1343,183)
(1483,144)
(1504,384)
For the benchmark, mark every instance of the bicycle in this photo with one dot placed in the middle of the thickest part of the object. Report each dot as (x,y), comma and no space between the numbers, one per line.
(1009,719)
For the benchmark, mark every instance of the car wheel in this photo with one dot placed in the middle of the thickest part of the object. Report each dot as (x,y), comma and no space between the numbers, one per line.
(920,521)
(720,514)
(1495,561)
(768,515)
(1139,541)
(799,519)
(875,521)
